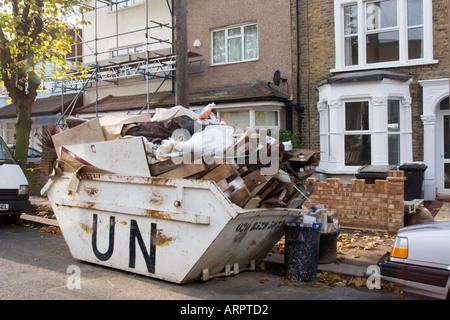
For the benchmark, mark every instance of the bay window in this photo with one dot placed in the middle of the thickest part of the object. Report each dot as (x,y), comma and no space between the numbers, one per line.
(365,119)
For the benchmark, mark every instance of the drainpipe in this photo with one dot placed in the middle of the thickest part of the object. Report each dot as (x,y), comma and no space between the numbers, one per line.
(298,108)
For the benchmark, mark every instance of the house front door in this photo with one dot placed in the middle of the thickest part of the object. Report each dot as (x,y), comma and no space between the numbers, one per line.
(443,121)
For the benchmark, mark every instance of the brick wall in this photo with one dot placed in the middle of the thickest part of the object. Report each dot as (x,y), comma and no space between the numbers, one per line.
(357,204)
(48,161)
(317,58)
(36,181)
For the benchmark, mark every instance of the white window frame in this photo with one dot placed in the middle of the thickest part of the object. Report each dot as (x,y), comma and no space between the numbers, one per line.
(398,132)
(367,132)
(402,26)
(251,107)
(119,52)
(252,120)
(231,37)
(124,4)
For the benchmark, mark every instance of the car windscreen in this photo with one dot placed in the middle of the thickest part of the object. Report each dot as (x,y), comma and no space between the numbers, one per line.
(5,155)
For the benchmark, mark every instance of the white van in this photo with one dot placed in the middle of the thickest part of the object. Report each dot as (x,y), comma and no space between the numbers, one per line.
(14,187)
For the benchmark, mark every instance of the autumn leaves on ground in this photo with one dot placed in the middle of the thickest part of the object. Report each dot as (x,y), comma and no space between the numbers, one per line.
(361,247)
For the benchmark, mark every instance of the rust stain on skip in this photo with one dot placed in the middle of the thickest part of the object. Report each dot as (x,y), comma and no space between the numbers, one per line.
(90,205)
(159,181)
(91,191)
(157,214)
(86,229)
(160,239)
(156,198)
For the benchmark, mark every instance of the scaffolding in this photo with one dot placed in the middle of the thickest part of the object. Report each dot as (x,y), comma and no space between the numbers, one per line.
(145,65)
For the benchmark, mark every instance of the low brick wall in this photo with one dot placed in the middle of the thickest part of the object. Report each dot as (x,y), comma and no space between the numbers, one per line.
(38,176)
(36,180)
(48,161)
(378,206)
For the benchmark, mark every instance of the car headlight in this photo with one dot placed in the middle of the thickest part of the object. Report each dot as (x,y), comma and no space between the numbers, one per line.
(24,189)
(400,248)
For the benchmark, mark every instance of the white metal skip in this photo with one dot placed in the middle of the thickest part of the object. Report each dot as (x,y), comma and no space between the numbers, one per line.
(178,230)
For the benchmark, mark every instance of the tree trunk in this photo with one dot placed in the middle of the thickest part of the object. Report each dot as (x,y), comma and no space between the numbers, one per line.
(23,128)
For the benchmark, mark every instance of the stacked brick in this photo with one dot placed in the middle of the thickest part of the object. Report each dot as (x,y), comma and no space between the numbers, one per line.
(35,180)
(378,206)
(48,161)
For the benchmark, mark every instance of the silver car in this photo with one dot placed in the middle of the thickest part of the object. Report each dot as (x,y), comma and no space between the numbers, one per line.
(34,156)
(419,261)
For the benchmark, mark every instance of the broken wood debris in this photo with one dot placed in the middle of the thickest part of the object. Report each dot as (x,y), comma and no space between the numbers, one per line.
(250,168)
(245,183)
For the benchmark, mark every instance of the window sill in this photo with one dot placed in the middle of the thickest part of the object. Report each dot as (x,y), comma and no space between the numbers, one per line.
(395,64)
(342,170)
(231,63)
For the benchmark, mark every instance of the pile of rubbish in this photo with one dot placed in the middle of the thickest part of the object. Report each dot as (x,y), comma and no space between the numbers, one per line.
(252,169)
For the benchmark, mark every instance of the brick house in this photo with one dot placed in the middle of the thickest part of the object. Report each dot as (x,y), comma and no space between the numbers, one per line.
(374,86)
(238,59)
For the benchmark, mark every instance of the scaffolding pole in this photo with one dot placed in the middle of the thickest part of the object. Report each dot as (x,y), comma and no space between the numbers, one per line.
(158,66)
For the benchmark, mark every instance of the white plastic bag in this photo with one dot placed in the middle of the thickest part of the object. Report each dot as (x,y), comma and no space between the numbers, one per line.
(215,139)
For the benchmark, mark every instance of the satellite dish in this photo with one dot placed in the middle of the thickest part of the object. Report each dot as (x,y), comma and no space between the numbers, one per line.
(277,78)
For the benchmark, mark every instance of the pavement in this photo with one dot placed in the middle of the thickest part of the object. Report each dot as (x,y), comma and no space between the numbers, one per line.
(356,251)
(444,213)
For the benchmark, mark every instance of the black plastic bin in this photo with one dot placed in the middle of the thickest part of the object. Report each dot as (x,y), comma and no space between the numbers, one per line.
(414,173)
(328,247)
(374,172)
(301,252)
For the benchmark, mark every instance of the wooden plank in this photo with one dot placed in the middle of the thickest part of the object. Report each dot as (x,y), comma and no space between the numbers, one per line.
(291,195)
(303,155)
(254,179)
(294,203)
(223,185)
(161,167)
(296,200)
(272,185)
(253,203)
(184,171)
(240,197)
(247,141)
(221,172)
(276,201)
(261,186)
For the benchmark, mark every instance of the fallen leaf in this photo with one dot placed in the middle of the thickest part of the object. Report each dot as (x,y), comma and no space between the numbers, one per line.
(358,282)
(263,280)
